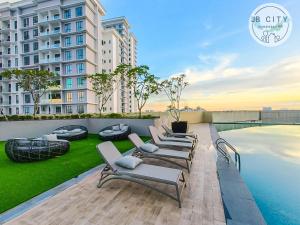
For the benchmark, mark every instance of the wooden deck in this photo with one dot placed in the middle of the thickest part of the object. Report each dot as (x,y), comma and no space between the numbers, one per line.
(120,202)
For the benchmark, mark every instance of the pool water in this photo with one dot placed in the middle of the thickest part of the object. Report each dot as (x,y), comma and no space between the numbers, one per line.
(270,166)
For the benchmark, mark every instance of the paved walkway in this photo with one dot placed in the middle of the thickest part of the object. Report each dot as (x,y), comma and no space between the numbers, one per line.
(121,202)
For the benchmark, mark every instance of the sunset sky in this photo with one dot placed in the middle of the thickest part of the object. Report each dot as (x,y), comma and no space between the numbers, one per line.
(210,42)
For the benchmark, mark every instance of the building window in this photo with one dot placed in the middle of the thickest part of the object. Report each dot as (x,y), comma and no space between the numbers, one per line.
(69,83)
(36,59)
(67,14)
(26,35)
(79,53)
(17,87)
(17,99)
(67,41)
(58,110)
(68,69)
(26,48)
(79,39)
(16,62)
(68,27)
(80,68)
(80,96)
(80,82)
(27,99)
(80,109)
(17,111)
(26,60)
(79,26)
(78,11)
(26,110)
(35,46)
(16,37)
(15,24)
(26,22)
(69,97)
(35,19)
(69,109)
(35,32)
(68,55)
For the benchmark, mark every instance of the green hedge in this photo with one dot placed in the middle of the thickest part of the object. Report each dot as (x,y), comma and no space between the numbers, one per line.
(72,116)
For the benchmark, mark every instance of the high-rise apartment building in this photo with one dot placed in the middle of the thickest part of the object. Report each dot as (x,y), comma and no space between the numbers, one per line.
(63,36)
(119,46)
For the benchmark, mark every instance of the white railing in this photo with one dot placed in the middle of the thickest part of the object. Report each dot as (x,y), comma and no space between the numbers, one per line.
(51,60)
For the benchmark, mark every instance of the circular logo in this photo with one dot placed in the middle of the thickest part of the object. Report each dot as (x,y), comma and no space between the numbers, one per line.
(270,24)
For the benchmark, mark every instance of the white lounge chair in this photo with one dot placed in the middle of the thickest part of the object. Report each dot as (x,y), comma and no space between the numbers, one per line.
(140,174)
(162,153)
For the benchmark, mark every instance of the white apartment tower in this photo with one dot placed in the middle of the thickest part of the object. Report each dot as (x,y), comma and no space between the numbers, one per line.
(119,46)
(62,36)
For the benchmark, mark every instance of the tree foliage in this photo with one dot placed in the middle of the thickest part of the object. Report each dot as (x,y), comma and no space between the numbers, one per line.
(36,82)
(173,88)
(104,85)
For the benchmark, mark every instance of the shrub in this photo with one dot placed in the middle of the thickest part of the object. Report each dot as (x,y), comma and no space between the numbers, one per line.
(50,117)
(75,116)
(44,117)
(114,115)
(2,118)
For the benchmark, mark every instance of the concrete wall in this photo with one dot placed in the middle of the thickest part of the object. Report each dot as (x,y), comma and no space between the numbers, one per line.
(281,116)
(36,128)
(235,116)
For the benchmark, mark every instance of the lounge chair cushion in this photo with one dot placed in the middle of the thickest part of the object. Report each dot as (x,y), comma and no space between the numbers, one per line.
(50,137)
(115,128)
(60,131)
(75,130)
(107,131)
(148,147)
(129,162)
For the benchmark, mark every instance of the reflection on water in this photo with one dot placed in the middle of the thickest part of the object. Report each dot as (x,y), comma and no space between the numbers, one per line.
(271,168)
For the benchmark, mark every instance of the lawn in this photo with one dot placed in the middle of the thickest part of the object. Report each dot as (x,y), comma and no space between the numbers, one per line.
(22,181)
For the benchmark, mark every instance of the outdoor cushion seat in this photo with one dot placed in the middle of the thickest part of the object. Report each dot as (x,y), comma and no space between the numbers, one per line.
(115,132)
(29,150)
(71,132)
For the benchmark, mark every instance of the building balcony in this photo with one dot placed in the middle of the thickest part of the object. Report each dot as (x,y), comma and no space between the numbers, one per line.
(52,19)
(50,101)
(50,47)
(50,60)
(4,30)
(6,42)
(46,34)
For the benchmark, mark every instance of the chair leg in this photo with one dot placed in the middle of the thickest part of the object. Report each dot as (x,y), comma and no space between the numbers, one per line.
(103,175)
(178,196)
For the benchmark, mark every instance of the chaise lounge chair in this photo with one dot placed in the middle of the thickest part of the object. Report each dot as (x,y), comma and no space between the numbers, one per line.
(170,144)
(177,139)
(161,154)
(170,133)
(141,174)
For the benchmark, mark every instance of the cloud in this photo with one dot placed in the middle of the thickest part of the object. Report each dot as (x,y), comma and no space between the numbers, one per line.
(217,84)
(226,77)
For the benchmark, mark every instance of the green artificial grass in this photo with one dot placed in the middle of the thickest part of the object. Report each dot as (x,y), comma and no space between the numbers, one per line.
(20,182)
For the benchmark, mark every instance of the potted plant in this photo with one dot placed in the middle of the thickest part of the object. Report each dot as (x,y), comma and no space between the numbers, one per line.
(173,88)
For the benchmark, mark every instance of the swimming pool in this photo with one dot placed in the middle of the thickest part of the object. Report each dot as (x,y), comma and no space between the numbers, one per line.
(271,169)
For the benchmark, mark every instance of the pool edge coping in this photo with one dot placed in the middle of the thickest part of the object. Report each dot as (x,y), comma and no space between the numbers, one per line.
(241,208)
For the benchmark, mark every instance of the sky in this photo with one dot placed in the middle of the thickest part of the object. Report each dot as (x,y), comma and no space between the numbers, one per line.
(210,42)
